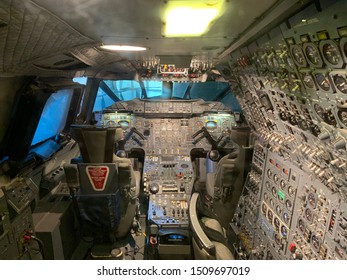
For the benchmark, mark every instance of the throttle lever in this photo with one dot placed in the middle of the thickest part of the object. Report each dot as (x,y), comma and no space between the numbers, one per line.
(197,133)
(198,139)
(138,133)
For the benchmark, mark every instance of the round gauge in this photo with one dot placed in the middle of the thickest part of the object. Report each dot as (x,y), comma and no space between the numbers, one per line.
(211,125)
(274,191)
(124,124)
(342,114)
(320,111)
(315,242)
(323,82)
(264,208)
(138,124)
(312,54)
(267,185)
(276,178)
(146,123)
(270,216)
(269,173)
(301,225)
(340,83)
(298,56)
(285,217)
(283,184)
(277,239)
(111,123)
(278,210)
(330,118)
(309,214)
(289,204)
(331,53)
(199,124)
(277,223)
(343,46)
(284,231)
(311,198)
(272,203)
(308,80)
(291,191)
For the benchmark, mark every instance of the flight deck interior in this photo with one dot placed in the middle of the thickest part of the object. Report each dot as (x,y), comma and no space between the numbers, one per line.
(225,143)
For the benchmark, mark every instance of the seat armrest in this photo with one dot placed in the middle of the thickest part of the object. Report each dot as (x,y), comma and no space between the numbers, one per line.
(201,238)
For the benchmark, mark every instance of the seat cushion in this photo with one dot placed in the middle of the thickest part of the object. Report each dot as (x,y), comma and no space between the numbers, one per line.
(222,251)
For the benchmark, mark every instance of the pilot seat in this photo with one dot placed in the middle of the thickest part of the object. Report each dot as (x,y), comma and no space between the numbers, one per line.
(104,187)
(209,237)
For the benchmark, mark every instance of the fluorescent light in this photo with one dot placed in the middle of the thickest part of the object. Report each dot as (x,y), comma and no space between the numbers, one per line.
(122,48)
(190,18)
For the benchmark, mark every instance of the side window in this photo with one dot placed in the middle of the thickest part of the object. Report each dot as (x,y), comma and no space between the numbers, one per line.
(53,117)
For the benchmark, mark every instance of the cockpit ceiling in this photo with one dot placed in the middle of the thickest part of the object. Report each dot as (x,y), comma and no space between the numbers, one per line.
(50,38)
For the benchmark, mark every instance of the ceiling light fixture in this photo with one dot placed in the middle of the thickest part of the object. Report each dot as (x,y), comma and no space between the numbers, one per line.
(190,18)
(122,48)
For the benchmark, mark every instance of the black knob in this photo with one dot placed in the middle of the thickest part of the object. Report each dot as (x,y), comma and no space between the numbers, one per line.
(213,155)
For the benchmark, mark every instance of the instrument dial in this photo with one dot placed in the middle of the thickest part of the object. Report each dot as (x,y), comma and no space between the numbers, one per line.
(331,53)
(291,191)
(111,123)
(320,111)
(312,54)
(298,56)
(270,216)
(323,82)
(342,114)
(124,124)
(301,225)
(264,208)
(211,125)
(308,80)
(284,231)
(340,83)
(285,217)
(330,118)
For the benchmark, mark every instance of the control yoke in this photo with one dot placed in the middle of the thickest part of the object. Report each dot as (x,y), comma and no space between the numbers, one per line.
(131,134)
(215,144)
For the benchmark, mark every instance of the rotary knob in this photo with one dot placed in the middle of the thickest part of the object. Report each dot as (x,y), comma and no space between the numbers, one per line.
(154,188)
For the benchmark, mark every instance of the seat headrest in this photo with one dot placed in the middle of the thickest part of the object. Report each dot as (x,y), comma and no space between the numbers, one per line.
(96,143)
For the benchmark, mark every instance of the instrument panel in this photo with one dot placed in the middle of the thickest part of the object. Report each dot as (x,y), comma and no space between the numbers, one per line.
(168,127)
(297,109)
(167,132)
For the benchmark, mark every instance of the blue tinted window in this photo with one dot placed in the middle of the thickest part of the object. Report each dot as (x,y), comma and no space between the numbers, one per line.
(53,117)
(154,89)
(179,89)
(208,91)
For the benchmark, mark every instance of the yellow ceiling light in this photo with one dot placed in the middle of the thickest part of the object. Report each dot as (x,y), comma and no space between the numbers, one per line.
(122,48)
(190,17)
